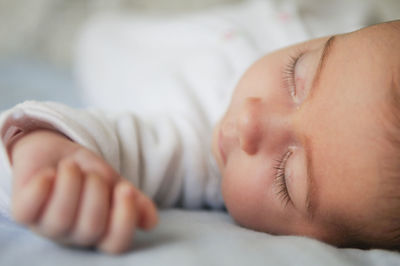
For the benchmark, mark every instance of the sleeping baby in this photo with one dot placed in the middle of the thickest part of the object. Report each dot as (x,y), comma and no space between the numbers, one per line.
(308,146)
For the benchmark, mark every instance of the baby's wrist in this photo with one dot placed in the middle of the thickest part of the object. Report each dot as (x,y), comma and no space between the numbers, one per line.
(46,138)
(17,127)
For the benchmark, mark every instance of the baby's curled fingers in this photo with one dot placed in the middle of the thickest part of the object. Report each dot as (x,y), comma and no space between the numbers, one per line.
(29,200)
(122,223)
(59,214)
(93,213)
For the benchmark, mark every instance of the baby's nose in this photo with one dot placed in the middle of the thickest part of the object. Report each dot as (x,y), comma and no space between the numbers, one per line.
(249,125)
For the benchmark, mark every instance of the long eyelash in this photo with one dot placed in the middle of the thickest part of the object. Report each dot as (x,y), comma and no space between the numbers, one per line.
(289,72)
(280,178)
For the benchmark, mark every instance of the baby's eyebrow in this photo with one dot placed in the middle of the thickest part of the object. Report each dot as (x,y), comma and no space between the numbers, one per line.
(326,51)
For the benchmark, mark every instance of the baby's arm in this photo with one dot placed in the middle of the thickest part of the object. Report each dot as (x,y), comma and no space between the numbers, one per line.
(165,156)
(69,194)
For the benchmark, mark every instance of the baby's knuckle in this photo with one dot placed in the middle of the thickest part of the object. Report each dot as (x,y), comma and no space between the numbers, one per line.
(91,232)
(88,237)
(55,229)
(95,227)
(64,161)
(107,173)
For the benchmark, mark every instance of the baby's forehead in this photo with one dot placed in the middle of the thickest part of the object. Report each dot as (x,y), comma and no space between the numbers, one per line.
(383,36)
(381,45)
(386,27)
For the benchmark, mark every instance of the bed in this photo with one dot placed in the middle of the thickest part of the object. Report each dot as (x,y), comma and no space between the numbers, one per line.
(189,238)
(183,237)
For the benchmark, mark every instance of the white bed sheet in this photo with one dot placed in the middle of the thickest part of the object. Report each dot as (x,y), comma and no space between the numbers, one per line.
(189,238)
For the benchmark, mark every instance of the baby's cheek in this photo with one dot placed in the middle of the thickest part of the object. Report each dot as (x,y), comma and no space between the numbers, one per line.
(249,194)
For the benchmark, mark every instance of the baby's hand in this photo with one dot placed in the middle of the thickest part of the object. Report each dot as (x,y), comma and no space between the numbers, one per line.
(74,196)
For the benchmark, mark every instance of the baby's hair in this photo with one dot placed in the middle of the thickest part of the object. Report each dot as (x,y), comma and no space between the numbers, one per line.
(391,168)
(392,197)
(384,230)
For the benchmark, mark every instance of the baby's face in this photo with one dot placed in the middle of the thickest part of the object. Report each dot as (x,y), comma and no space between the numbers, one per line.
(301,145)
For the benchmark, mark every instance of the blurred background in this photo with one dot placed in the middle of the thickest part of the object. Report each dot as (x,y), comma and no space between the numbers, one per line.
(37,37)
(47,28)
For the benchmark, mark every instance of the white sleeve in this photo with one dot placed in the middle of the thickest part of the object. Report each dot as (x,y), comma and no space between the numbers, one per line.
(167,156)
